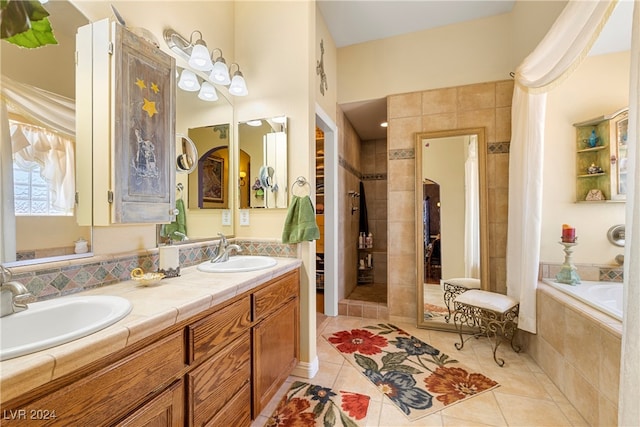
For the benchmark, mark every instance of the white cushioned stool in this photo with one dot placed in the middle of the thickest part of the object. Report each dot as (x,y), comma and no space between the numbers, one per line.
(495,315)
(454,287)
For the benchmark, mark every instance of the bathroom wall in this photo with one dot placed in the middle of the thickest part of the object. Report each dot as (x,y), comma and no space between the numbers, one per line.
(470,52)
(598,87)
(479,105)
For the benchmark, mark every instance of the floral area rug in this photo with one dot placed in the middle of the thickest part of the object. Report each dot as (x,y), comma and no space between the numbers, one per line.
(308,405)
(418,378)
(431,311)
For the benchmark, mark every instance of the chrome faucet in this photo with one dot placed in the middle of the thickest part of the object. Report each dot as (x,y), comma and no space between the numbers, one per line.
(11,295)
(223,250)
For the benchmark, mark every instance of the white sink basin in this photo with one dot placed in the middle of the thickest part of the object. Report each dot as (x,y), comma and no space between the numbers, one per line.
(238,264)
(50,323)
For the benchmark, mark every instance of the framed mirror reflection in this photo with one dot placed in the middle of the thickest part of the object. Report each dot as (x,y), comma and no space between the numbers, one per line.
(451,225)
(39,153)
(262,163)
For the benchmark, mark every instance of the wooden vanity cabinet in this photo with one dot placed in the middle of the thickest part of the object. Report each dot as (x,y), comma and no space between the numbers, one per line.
(164,410)
(219,368)
(106,396)
(220,348)
(275,337)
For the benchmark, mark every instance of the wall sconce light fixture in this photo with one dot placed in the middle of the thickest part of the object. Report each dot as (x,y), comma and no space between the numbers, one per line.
(188,81)
(243,175)
(200,61)
(238,86)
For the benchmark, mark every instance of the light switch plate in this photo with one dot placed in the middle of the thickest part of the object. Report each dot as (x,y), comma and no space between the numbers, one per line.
(244,217)
(226,217)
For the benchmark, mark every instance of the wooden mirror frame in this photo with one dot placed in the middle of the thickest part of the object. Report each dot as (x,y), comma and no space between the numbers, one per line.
(484,220)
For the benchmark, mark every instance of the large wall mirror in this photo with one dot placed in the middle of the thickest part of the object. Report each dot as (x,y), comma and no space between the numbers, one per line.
(262,163)
(451,223)
(41,157)
(206,188)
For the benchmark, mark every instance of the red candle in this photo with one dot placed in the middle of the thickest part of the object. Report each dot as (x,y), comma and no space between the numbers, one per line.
(568,234)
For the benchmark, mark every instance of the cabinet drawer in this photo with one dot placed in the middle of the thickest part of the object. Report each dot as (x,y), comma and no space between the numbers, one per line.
(237,413)
(214,383)
(279,292)
(106,395)
(166,409)
(205,336)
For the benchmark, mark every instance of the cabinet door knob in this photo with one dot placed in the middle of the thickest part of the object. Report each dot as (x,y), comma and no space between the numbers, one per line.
(613,159)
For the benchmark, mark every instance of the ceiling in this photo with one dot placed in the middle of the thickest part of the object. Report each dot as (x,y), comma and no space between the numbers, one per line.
(357,21)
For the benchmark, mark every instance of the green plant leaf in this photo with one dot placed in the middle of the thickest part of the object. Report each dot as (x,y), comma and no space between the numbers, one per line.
(346,421)
(366,362)
(404,368)
(317,410)
(39,35)
(329,418)
(394,358)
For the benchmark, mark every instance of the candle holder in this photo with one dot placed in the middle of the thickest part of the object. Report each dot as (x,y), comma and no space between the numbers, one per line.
(568,273)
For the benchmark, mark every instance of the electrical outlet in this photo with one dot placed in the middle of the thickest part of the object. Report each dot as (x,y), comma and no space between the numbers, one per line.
(244,216)
(226,217)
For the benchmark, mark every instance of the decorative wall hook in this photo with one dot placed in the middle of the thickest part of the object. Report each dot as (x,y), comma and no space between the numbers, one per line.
(320,69)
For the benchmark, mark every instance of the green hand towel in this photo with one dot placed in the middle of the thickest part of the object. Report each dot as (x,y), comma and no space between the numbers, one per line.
(300,224)
(179,224)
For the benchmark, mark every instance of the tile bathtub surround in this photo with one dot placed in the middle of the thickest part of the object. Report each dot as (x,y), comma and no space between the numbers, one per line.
(591,272)
(578,347)
(55,279)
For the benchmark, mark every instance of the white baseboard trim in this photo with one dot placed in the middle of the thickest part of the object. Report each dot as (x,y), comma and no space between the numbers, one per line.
(307,369)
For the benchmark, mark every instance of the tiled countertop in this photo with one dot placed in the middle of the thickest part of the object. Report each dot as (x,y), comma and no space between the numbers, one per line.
(154,308)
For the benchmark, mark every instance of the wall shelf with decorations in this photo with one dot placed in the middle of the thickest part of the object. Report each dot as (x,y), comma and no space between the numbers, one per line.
(601,158)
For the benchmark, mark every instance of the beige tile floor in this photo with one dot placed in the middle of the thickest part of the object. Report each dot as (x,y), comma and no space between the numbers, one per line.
(526,396)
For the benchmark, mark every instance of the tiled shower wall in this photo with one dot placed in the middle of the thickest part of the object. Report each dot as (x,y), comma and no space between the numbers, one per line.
(374,178)
(485,105)
(349,161)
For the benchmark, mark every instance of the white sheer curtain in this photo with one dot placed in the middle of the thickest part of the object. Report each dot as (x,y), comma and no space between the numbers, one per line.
(471,211)
(560,52)
(628,407)
(49,142)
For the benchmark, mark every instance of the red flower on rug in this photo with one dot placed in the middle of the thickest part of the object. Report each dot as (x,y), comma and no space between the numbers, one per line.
(453,384)
(290,413)
(306,405)
(358,340)
(355,404)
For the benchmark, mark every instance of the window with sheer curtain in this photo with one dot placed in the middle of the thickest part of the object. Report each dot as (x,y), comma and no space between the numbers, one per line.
(43,171)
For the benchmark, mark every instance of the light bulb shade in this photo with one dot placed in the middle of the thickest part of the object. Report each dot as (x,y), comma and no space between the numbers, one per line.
(238,86)
(188,81)
(200,59)
(220,72)
(208,92)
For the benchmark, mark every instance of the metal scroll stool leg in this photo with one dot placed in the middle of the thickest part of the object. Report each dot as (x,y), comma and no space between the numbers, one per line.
(494,314)
(454,287)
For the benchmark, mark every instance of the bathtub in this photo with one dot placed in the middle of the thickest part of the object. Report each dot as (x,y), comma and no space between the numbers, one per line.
(604,296)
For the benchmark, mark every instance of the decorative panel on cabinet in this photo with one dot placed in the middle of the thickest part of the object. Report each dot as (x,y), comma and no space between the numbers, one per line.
(601,158)
(132,84)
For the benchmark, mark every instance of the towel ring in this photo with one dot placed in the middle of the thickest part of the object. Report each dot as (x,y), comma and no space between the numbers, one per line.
(300,182)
